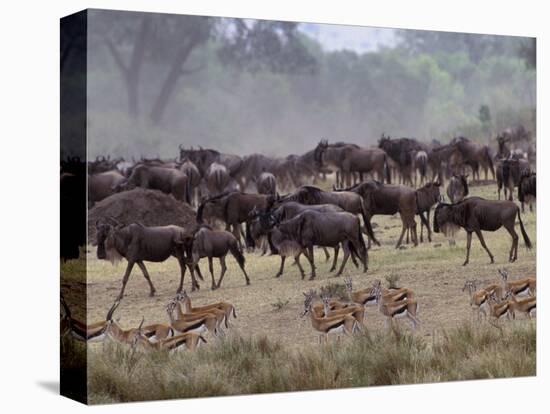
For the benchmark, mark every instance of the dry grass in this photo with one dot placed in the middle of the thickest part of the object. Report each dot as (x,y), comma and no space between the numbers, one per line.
(433,270)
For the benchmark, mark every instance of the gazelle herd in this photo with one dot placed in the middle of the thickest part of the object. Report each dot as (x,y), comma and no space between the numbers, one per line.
(186,326)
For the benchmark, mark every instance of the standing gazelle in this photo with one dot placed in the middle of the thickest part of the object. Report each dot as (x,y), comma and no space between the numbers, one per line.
(520,287)
(397,309)
(478,298)
(526,305)
(227,308)
(339,324)
(198,323)
(498,309)
(93,332)
(353,309)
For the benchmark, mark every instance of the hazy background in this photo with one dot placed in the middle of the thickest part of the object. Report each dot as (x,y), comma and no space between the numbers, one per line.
(156,81)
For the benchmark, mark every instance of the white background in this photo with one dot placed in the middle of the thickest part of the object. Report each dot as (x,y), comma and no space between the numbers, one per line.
(29,124)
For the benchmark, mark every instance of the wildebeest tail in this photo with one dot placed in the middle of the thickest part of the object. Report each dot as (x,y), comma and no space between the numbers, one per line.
(368,225)
(248,236)
(237,253)
(200,212)
(523,232)
(387,171)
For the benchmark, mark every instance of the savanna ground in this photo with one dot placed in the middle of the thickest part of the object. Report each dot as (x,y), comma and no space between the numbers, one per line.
(270,348)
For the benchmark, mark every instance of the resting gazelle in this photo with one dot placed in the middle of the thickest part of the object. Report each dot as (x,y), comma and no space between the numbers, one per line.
(339,324)
(397,309)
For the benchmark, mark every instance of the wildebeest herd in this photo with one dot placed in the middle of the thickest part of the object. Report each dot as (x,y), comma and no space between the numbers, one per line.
(278,205)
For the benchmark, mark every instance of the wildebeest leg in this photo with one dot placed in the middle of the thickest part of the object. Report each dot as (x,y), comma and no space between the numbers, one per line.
(146,276)
(327,255)
(211,269)
(125,278)
(336,250)
(183,269)
(282,267)
(297,260)
(515,241)
(482,240)
(414,235)
(403,229)
(346,248)
(309,255)
(224,269)
(468,245)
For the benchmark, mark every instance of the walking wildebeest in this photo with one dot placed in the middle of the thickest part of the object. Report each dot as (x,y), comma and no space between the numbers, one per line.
(427,196)
(102,185)
(527,190)
(458,189)
(389,199)
(266,183)
(475,214)
(350,159)
(312,228)
(509,172)
(206,242)
(137,244)
(475,155)
(168,180)
(347,200)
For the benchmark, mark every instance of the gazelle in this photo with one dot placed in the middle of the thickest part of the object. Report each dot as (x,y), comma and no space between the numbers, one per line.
(498,309)
(355,310)
(520,287)
(526,305)
(226,307)
(392,294)
(339,324)
(397,309)
(182,315)
(478,298)
(198,323)
(94,332)
(362,297)
(190,340)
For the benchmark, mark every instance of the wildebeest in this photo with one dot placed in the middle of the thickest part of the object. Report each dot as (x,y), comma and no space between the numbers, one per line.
(421,165)
(168,180)
(475,155)
(137,244)
(217,178)
(458,189)
(476,214)
(312,228)
(206,242)
(266,183)
(194,179)
(389,199)
(350,159)
(347,200)
(203,158)
(401,150)
(427,196)
(439,159)
(527,190)
(509,172)
(102,185)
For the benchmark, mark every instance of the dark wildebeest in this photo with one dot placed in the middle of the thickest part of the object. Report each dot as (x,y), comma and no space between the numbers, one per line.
(138,244)
(474,155)
(217,178)
(235,208)
(388,199)
(509,172)
(168,180)
(203,158)
(350,159)
(503,151)
(458,189)
(347,200)
(421,165)
(206,242)
(527,190)
(402,150)
(427,196)
(102,185)
(475,214)
(312,228)
(266,183)
(439,159)
(194,179)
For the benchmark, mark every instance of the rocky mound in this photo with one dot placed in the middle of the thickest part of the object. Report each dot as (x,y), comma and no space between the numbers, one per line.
(149,207)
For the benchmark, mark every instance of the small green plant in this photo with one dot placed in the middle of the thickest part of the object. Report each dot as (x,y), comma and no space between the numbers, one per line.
(280,304)
(392,280)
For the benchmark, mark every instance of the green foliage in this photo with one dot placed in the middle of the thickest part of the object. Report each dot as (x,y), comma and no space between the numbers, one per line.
(335,290)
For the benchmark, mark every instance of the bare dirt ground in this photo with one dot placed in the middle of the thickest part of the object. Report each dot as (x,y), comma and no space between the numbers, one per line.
(433,270)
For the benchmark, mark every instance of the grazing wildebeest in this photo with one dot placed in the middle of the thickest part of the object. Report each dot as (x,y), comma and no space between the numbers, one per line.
(458,189)
(509,172)
(102,185)
(217,178)
(266,183)
(206,242)
(168,180)
(137,244)
(347,200)
(475,155)
(476,214)
(235,208)
(402,151)
(194,179)
(389,199)
(312,228)
(527,190)
(350,159)
(427,196)
(421,165)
